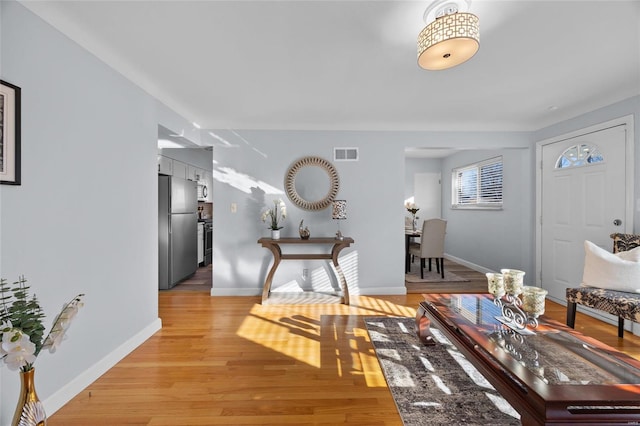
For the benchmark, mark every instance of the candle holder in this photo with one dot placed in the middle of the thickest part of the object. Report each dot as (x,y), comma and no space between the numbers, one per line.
(495,284)
(513,281)
(512,314)
(533,299)
(516,313)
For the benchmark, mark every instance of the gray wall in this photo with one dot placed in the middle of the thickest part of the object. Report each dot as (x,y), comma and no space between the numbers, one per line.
(493,239)
(84,219)
(374,189)
(477,237)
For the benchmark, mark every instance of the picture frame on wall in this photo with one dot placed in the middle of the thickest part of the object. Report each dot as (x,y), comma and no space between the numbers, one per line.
(10,166)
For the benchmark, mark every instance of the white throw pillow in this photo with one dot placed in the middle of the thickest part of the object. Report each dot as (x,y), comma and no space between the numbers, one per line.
(603,269)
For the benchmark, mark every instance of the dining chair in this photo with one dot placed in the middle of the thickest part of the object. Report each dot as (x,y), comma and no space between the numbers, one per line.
(431,245)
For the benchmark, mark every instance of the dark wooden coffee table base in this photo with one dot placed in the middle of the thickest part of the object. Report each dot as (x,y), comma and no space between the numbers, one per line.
(423,327)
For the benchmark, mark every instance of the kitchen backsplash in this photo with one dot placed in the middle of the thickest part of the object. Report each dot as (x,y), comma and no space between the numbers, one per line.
(206,210)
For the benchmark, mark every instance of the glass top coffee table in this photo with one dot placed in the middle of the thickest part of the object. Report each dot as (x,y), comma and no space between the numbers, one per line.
(551,376)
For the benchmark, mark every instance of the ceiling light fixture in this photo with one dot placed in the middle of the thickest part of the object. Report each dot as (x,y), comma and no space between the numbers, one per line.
(451,37)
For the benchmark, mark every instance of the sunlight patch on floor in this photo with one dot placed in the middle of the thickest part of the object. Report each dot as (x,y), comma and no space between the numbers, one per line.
(298,342)
(302,298)
(294,327)
(502,405)
(376,306)
(440,384)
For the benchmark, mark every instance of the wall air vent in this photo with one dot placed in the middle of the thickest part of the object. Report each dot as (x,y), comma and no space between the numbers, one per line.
(345,154)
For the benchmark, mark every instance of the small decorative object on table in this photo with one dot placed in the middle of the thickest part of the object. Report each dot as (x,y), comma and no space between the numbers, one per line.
(413,209)
(304,232)
(516,313)
(339,212)
(496,284)
(513,281)
(276,214)
(22,338)
(533,299)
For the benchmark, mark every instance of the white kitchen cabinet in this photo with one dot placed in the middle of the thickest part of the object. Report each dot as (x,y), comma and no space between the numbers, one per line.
(180,169)
(165,165)
(195,173)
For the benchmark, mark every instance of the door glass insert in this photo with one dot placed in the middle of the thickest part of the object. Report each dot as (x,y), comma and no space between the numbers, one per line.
(579,155)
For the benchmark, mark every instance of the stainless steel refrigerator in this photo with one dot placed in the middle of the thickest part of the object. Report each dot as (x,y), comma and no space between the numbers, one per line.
(177,230)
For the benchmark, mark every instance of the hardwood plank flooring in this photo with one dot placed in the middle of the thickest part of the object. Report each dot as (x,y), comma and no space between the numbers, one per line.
(200,281)
(477,281)
(233,361)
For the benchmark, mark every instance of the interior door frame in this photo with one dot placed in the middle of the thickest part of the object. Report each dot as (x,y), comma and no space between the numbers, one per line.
(627,121)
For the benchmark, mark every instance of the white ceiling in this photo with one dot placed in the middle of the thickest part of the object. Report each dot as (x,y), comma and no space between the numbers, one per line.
(351,65)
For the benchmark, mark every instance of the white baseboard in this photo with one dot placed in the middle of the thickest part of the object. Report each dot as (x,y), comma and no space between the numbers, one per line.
(467,264)
(234,291)
(382,291)
(364,291)
(75,386)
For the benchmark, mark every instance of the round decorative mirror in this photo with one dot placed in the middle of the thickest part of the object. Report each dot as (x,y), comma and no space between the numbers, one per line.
(312,183)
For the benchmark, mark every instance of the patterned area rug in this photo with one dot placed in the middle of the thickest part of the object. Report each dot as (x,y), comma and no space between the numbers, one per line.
(434,385)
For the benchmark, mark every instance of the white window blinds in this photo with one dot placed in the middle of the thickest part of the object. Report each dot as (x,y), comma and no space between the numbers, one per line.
(478,185)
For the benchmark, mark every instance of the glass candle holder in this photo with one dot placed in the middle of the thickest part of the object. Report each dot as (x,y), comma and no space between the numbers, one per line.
(533,299)
(495,284)
(513,281)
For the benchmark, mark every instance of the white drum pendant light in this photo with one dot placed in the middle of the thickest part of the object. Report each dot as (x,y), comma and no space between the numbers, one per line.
(452,38)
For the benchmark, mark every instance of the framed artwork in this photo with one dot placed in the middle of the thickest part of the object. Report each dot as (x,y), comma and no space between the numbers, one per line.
(9,134)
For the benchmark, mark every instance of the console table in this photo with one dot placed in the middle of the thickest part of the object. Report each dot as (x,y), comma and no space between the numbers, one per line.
(274,246)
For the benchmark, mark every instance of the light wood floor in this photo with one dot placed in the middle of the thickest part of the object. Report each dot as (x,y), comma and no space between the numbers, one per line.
(232,361)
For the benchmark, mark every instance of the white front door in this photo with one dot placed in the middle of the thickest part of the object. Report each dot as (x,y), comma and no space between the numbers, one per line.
(583,197)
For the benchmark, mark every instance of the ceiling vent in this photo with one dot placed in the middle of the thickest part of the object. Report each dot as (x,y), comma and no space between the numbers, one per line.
(345,154)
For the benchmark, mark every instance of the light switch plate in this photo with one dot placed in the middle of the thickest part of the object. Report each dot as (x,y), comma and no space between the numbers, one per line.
(234,207)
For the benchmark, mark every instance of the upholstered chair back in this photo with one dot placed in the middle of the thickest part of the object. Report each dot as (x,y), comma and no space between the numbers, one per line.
(432,238)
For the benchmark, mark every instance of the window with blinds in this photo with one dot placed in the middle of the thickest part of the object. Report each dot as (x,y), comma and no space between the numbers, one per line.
(478,185)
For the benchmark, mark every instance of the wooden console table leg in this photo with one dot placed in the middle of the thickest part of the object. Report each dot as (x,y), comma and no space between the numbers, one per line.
(274,247)
(343,281)
(423,326)
(277,256)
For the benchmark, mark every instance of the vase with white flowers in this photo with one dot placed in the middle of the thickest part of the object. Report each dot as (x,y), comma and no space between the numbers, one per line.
(275,215)
(22,337)
(413,209)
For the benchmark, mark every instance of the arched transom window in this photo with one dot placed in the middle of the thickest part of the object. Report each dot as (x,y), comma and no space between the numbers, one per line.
(579,155)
